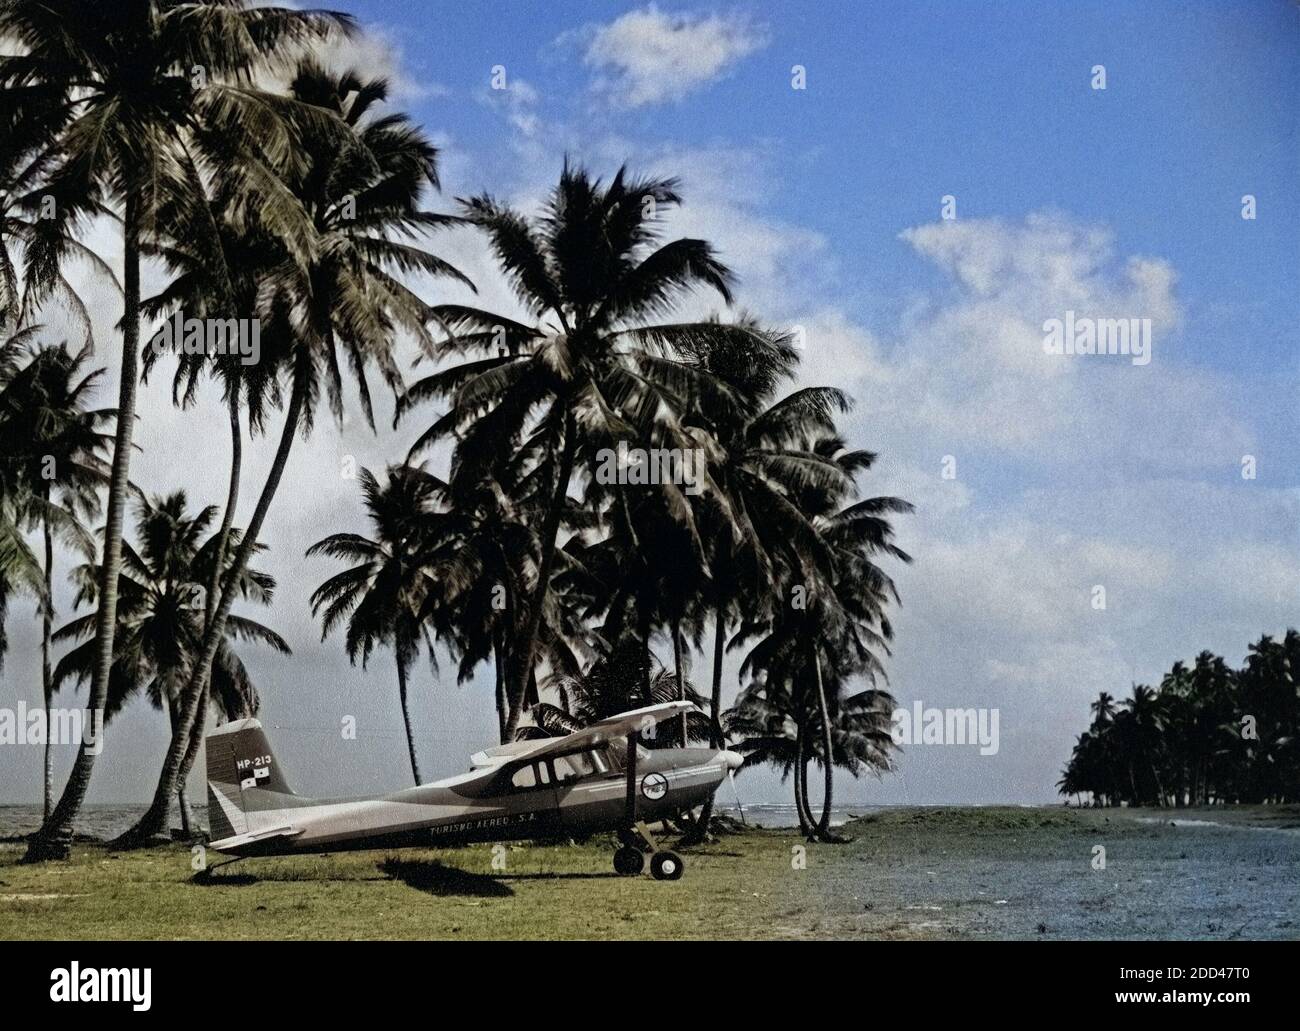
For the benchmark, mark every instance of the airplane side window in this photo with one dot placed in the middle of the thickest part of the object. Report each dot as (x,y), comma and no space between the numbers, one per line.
(544,773)
(564,769)
(525,777)
(587,763)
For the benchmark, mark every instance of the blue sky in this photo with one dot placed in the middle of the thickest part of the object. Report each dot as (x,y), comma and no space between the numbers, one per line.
(910,101)
(1070,473)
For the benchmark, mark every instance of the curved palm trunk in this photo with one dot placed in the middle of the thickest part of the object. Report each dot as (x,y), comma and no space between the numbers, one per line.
(828,756)
(47,675)
(54,838)
(522,661)
(173,770)
(214,580)
(209,603)
(406,719)
(187,816)
(228,516)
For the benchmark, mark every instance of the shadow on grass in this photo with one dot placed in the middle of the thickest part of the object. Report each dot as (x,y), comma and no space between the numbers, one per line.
(209,878)
(436,879)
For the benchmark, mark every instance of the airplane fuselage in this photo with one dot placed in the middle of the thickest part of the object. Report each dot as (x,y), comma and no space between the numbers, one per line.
(486,805)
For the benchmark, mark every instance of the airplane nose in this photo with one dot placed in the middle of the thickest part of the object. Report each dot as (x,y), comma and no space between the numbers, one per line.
(732,760)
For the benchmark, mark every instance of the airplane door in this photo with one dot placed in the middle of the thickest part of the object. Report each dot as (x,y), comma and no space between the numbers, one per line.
(534,786)
(587,788)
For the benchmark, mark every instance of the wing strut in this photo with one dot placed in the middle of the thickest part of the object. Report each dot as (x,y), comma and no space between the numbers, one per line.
(636,828)
(631,779)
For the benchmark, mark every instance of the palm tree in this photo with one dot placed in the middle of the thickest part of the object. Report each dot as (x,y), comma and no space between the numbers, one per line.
(831,624)
(1145,728)
(590,368)
(161,618)
(760,467)
(612,685)
(383,595)
(479,555)
(144,90)
(773,726)
(1269,761)
(54,446)
(360,194)
(1103,709)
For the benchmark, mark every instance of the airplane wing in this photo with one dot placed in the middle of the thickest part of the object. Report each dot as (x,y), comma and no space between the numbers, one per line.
(608,729)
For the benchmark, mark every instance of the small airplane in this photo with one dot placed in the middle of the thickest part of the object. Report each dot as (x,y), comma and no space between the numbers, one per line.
(599,778)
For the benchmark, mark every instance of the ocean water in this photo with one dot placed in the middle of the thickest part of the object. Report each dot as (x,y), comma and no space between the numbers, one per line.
(784,814)
(96,821)
(107,821)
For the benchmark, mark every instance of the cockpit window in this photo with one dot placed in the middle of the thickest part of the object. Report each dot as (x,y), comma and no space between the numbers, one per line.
(580,764)
(616,753)
(530,776)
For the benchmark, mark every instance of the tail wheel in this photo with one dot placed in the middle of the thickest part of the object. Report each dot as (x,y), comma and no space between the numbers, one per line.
(629,861)
(666,866)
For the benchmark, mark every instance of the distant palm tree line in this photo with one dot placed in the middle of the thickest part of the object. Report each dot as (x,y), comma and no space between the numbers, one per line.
(304,206)
(1208,734)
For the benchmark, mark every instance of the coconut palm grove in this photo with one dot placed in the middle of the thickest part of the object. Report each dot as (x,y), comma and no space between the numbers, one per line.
(271,189)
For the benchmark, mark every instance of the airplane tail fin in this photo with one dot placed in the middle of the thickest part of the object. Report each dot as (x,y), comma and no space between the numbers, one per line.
(244,779)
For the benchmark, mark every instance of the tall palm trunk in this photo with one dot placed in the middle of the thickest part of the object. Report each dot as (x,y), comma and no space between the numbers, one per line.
(173,770)
(824,824)
(187,817)
(47,675)
(681,673)
(801,782)
(497,658)
(406,716)
(522,660)
(715,696)
(644,632)
(214,580)
(715,703)
(54,838)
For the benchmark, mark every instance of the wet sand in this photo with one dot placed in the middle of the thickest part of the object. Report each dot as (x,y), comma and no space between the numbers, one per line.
(1031,873)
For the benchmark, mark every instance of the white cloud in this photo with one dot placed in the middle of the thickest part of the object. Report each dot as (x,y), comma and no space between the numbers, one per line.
(518,101)
(651,57)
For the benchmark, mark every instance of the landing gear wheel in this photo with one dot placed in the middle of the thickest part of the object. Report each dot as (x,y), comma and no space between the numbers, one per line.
(629,861)
(666,866)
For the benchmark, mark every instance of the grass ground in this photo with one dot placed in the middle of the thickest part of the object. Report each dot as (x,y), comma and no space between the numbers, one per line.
(909,873)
